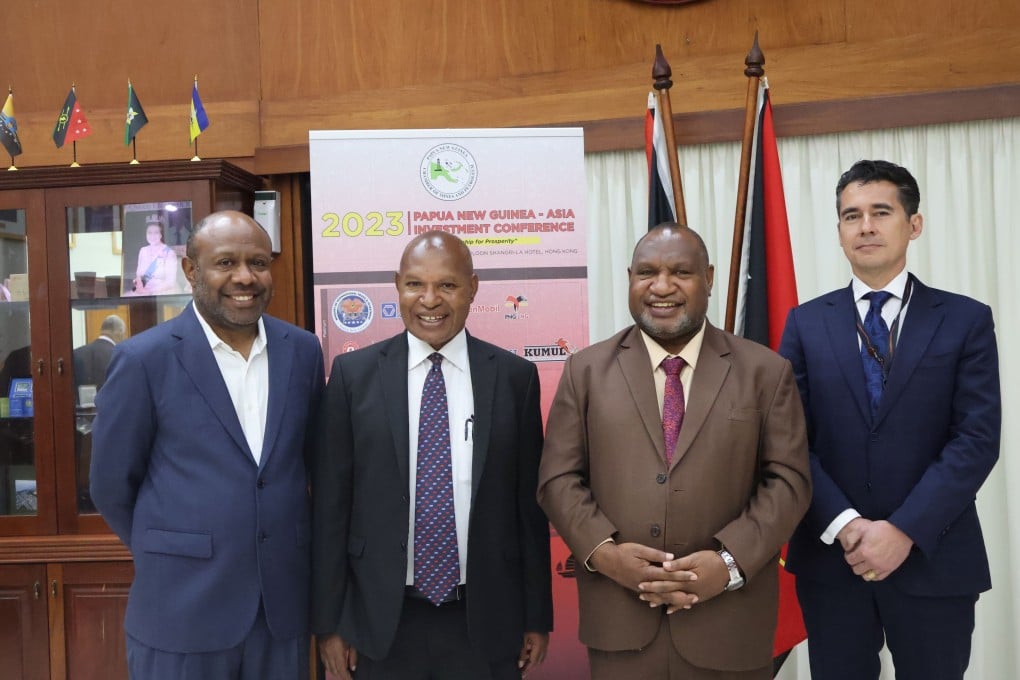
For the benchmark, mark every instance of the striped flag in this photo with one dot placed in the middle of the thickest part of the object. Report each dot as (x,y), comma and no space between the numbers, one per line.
(9,127)
(199,120)
(660,185)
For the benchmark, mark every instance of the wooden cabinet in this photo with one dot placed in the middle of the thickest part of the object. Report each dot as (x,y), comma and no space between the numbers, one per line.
(63,620)
(82,251)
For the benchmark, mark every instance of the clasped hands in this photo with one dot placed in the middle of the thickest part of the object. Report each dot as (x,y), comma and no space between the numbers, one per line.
(660,578)
(873,549)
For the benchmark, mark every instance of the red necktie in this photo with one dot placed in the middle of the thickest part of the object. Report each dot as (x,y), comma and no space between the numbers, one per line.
(672,404)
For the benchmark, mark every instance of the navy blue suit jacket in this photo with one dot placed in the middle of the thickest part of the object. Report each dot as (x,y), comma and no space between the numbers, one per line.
(211,533)
(362,502)
(920,462)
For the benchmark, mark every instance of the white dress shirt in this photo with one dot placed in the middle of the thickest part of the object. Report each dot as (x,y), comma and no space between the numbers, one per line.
(891,310)
(460,401)
(247,381)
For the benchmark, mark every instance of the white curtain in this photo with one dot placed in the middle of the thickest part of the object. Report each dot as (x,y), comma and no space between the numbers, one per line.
(969,175)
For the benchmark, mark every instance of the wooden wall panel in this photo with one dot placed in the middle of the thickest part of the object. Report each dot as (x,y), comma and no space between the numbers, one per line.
(878,19)
(161,46)
(270,70)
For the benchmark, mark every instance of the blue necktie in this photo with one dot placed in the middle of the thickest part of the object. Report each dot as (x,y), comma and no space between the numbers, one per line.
(875,352)
(436,559)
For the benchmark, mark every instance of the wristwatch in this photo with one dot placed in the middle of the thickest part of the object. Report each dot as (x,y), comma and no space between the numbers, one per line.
(736,578)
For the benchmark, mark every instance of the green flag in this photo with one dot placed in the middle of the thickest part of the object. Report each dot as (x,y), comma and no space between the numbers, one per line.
(136,119)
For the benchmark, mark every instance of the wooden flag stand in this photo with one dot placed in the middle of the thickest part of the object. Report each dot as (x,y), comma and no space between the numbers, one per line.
(755,70)
(661,74)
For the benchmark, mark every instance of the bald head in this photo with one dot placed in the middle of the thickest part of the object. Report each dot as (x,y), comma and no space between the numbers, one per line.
(456,249)
(113,327)
(223,218)
(667,230)
(436,284)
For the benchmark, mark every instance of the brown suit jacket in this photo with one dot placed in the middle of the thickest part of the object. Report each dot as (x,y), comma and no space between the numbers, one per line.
(740,476)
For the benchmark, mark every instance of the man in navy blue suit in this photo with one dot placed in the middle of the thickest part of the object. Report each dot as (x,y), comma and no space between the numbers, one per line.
(900,384)
(199,466)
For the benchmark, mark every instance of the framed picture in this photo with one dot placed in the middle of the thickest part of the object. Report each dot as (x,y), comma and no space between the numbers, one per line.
(21,491)
(153,243)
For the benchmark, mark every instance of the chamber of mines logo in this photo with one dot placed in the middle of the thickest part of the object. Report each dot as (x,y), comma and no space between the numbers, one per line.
(448,172)
(352,311)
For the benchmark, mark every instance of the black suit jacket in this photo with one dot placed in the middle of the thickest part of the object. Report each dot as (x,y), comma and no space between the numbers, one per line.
(91,362)
(361,502)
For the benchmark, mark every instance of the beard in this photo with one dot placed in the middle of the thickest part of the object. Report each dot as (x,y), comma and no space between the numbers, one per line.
(663,331)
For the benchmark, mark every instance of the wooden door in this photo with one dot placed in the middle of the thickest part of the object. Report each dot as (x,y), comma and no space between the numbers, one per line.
(24,652)
(90,601)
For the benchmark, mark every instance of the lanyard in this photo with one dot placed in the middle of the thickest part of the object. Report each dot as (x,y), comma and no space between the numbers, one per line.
(894,333)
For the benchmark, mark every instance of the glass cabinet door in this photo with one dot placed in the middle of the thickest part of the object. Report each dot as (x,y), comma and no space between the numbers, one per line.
(27,502)
(125,275)
(18,491)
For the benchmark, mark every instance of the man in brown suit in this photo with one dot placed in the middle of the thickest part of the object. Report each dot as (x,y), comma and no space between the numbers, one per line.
(680,549)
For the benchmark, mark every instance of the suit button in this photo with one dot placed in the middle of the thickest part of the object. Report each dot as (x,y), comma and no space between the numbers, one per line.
(263,537)
(405,499)
(655,531)
(261,483)
(403,546)
(661,478)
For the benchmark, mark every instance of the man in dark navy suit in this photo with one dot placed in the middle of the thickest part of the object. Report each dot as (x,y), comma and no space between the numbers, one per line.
(199,467)
(900,384)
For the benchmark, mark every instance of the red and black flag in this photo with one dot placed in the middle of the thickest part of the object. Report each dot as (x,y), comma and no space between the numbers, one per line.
(767,293)
(660,185)
(71,123)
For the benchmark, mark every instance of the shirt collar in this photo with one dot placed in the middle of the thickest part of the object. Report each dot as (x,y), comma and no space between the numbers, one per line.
(454,351)
(689,353)
(897,286)
(215,340)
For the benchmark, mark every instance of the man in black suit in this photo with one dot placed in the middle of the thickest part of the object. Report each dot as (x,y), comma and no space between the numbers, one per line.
(91,360)
(376,605)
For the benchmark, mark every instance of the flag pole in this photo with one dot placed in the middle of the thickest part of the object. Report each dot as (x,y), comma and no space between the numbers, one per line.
(661,74)
(196,157)
(134,151)
(755,69)
(10,91)
(74,154)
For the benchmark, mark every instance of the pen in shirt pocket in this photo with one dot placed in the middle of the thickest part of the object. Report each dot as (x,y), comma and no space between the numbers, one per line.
(469,427)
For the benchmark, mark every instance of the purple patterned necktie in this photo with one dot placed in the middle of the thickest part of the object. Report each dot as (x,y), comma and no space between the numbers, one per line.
(672,404)
(436,561)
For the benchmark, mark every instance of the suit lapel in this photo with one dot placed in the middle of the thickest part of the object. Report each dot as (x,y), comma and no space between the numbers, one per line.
(636,367)
(708,380)
(840,322)
(393,372)
(280,348)
(196,357)
(483,388)
(923,318)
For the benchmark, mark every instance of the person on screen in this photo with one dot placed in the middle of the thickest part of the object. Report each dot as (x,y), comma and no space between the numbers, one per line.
(418,433)
(156,273)
(199,467)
